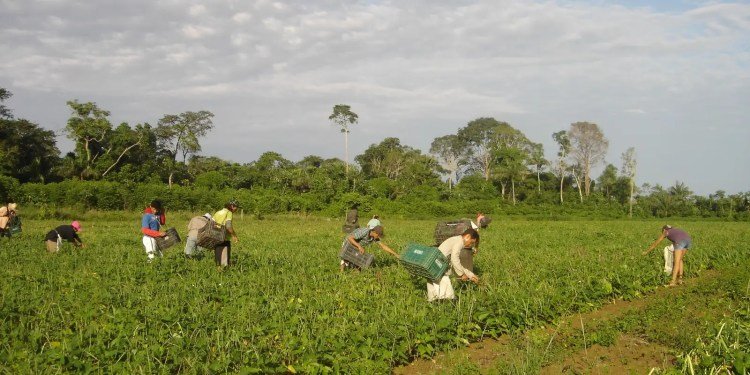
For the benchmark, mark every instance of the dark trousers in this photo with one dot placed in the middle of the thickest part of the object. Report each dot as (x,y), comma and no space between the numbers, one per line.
(222,253)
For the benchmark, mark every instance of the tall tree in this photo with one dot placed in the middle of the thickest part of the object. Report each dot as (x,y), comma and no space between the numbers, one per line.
(589,146)
(5,112)
(27,152)
(608,179)
(449,153)
(89,127)
(561,166)
(343,117)
(628,170)
(511,151)
(479,137)
(537,160)
(179,134)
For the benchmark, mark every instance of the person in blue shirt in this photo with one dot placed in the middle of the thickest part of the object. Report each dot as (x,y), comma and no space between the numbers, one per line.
(150,227)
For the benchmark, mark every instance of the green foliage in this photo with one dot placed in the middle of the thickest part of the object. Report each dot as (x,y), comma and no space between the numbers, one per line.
(284,305)
(28,153)
(9,189)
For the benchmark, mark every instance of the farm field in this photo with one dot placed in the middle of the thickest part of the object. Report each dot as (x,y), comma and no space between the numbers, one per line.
(284,307)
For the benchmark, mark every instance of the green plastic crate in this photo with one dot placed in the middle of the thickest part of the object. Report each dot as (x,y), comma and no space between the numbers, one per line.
(424,261)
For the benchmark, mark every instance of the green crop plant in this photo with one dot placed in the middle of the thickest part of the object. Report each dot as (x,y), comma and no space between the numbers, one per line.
(283,306)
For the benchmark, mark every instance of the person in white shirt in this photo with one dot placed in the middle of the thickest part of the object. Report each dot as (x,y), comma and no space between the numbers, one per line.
(451,248)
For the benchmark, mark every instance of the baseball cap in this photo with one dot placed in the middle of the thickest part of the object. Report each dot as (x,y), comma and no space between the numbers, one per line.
(208,216)
(76,225)
(666,227)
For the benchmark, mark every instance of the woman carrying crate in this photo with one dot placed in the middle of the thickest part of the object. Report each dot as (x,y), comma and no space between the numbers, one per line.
(194,225)
(452,248)
(151,222)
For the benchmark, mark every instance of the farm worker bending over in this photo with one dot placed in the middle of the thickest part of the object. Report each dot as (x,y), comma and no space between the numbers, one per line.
(452,248)
(150,225)
(55,237)
(223,251)
(364,236)
(682,242)
(197,223)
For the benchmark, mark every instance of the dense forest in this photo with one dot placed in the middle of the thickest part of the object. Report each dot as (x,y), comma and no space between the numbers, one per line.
(487,165)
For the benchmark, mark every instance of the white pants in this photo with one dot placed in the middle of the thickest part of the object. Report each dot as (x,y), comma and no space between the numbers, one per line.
(150,244)
(441,290)
(668,258)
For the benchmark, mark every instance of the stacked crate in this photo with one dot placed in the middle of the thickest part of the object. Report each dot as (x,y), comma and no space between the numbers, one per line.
(424,261)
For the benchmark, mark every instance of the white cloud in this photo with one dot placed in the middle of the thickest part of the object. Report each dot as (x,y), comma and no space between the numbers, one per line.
(197,10)
(416,70)
(242,17)
(196,31)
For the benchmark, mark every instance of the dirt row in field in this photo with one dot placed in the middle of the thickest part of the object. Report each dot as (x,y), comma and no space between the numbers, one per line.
(627,354)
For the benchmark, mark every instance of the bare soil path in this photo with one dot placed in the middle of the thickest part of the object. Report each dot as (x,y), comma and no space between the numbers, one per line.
(564,348)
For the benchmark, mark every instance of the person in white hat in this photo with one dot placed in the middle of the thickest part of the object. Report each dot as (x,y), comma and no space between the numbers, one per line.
(194,226)
(6,213)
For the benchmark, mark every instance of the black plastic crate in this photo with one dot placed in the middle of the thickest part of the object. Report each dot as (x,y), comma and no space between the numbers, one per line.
(172,238)
(351,254)
(211,235)
(447,229)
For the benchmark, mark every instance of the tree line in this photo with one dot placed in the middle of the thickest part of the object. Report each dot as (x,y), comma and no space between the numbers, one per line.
(487,165)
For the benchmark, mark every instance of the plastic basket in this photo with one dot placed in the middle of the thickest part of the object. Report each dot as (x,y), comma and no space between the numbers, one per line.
(424,261)
(351,254)
(211,235)
(14,226)
(447,229)
(172,238)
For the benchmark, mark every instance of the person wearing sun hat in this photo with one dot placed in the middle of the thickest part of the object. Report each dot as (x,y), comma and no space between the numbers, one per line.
(682,242)
(55,237)
(7,212)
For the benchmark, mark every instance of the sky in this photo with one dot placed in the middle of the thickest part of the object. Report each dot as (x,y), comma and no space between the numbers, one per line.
(669,78)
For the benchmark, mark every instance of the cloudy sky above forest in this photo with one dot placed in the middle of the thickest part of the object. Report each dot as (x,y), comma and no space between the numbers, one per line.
(671,80)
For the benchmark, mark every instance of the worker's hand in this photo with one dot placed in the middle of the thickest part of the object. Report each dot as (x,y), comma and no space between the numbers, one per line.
(645,252)
(464,277)
(235,238)
(162,234)
(361,250)
(475,279)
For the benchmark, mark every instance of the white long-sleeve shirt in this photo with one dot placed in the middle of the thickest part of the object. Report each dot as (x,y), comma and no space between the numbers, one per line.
(451,248)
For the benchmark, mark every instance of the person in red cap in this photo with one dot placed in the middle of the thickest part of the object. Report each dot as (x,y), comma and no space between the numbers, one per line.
(55,237)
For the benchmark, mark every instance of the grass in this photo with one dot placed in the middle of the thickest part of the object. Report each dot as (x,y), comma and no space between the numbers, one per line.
(284,307)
